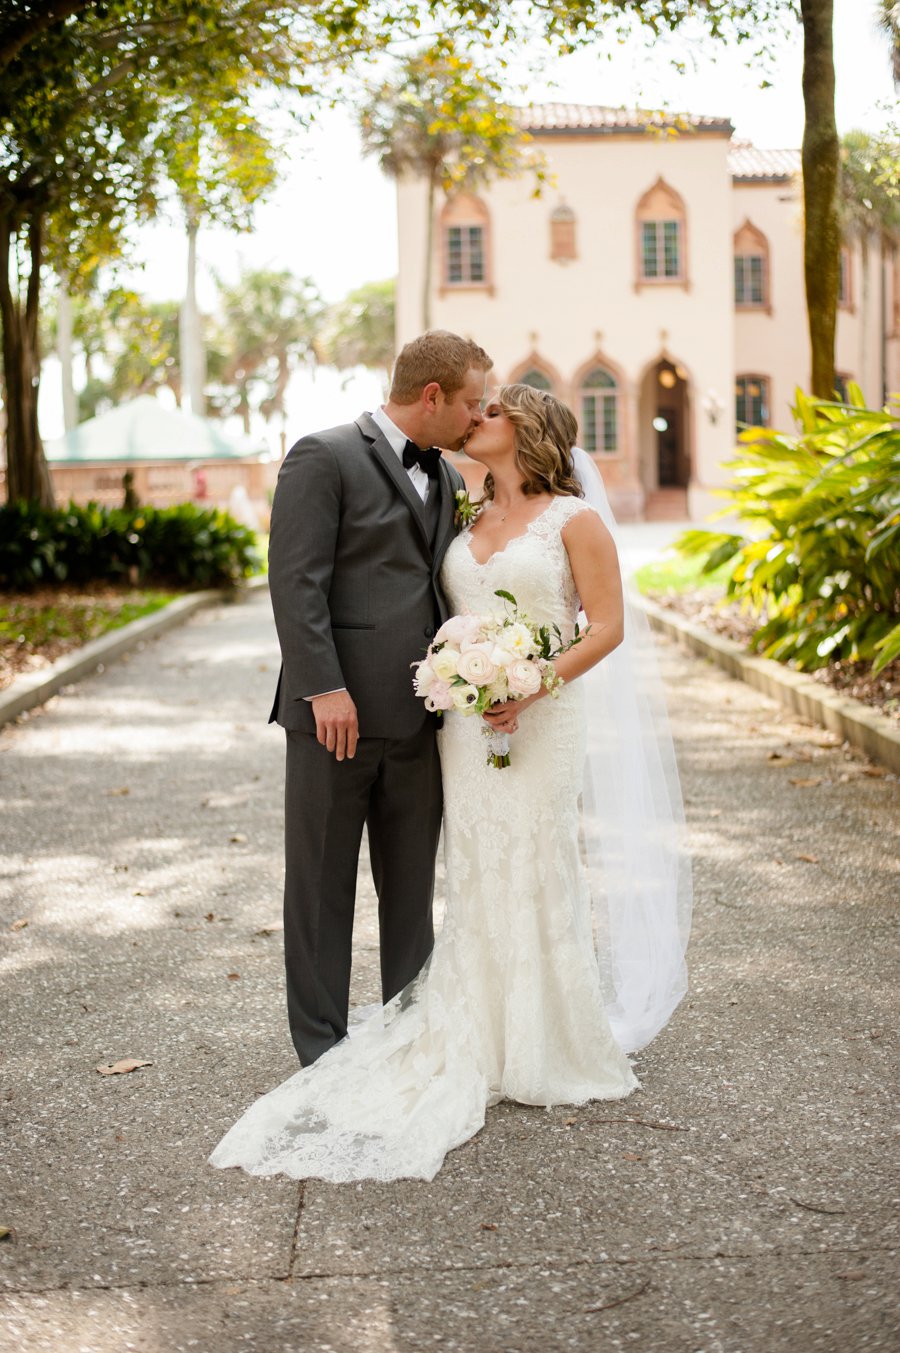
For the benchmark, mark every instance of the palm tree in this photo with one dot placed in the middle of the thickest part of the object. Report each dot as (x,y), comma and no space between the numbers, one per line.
(889,20)
(441,119)
(269,322)
(359,330)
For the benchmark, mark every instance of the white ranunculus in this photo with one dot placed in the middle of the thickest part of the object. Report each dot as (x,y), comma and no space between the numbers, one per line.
(444,664)
(524,677)
(475,666)
(519,640)
(463,697)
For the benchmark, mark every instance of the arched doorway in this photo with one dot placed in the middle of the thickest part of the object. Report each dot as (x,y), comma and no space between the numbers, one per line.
(665,438)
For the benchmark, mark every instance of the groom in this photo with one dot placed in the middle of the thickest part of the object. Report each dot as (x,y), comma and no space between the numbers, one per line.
(361,520)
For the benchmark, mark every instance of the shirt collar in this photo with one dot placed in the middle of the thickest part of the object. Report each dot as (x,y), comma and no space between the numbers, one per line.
(395,437)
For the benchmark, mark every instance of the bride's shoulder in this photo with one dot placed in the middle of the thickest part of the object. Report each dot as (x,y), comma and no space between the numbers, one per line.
(566,506)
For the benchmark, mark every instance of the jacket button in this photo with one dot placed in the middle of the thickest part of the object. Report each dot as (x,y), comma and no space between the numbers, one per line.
(429,633)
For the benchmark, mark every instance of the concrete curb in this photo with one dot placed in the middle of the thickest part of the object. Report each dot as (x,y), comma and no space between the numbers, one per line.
(34,689)
(850,719)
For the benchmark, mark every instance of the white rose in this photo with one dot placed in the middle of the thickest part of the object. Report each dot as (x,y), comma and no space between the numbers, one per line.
(524,677)
(458,629)
(501,657)
(518,639)
(445,663)
(463,697)
(475,666)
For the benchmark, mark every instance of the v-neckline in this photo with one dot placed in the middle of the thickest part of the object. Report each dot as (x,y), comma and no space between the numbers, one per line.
(503,548)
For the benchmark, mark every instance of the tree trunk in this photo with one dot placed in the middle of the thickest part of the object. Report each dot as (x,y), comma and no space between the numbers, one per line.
(65,347)
(27,472)
(821,166)
(883,257)
(193,357)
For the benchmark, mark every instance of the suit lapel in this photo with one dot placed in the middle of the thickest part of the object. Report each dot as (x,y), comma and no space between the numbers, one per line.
(446,523)
(388,459)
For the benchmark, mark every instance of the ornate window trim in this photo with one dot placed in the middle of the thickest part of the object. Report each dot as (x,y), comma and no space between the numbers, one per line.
(661,206)
(750,243)
(463,212)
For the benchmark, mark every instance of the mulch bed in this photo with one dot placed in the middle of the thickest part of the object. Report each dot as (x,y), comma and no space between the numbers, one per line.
(30,640)
(881,692)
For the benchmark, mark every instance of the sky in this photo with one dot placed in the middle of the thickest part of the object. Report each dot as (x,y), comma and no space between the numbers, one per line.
(333,216)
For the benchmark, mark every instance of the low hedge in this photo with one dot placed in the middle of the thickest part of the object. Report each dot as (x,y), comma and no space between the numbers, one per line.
(183,547)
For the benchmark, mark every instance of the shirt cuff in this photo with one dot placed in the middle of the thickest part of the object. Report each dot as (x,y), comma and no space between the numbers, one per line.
(318,693)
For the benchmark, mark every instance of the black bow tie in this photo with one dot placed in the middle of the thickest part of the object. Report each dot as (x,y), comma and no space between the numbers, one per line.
(429,459)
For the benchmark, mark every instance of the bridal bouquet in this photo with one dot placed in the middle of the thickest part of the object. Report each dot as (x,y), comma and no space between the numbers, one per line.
(477,661)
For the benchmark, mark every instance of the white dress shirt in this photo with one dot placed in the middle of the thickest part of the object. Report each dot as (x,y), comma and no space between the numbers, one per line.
(398,442)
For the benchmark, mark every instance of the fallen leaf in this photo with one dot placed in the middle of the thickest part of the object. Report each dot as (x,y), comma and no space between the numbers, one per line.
(631,1155)
(210,916)
(20,924)
(271,928)
(234,976)
(809,859)
(113,793)
(875,772)
(6,1233)
(852,1275)
(806,782)
(570,1122)
(488,1226)
(237,839)
(121,1068)
(783,757)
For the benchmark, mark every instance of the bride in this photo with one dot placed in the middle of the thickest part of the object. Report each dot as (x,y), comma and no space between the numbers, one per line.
(531,992)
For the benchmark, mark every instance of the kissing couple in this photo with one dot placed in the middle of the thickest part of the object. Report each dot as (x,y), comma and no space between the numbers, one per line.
(562,948)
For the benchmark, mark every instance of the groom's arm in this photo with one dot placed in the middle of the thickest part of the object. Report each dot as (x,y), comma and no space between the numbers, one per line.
(302,544)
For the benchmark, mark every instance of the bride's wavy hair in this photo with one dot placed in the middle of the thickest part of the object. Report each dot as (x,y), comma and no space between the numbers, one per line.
(545,432)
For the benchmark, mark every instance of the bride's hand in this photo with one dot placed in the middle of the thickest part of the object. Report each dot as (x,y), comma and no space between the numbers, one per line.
(504,718)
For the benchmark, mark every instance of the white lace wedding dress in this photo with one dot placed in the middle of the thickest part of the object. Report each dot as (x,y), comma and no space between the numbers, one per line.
(509,1006)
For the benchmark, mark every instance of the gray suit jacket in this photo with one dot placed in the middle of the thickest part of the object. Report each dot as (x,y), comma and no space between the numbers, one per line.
(354,581)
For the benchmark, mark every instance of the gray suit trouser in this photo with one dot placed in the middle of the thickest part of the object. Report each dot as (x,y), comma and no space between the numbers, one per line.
(393,786)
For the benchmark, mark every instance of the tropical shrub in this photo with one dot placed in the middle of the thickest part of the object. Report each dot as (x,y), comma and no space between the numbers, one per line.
(819,559)
(183,547)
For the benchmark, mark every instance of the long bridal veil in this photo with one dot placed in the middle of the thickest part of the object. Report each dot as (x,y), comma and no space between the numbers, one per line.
(633,821)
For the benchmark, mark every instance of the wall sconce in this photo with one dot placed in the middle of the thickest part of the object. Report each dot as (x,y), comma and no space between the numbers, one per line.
(713,406)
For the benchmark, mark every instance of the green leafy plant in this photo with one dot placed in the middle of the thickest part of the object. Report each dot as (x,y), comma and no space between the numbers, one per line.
(183,546)
(819,558)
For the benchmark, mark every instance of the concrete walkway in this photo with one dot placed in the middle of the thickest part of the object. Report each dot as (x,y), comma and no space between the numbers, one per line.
(740,1203)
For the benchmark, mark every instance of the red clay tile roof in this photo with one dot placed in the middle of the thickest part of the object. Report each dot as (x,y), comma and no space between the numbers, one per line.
(750,165)
(552,118)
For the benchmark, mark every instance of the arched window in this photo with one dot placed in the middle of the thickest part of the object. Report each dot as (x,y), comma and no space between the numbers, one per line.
(751,269)
(599,402)
(562,234)
(465,242)
(537,379)
(662,237)
(751,401)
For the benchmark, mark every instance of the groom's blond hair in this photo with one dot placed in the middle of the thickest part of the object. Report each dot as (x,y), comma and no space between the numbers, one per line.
(436,356)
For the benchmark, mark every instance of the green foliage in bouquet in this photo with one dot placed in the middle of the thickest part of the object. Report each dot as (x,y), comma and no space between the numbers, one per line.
(819,560)
(182,547)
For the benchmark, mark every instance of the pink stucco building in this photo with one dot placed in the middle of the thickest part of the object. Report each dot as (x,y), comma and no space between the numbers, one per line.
(656,286)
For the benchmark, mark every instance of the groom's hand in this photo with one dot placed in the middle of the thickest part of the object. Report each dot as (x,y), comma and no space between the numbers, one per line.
(336,723)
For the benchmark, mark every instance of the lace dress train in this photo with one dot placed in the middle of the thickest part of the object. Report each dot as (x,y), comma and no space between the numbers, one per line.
(509,1006)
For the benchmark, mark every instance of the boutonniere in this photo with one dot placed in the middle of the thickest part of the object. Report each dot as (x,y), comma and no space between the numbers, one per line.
(466,510)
